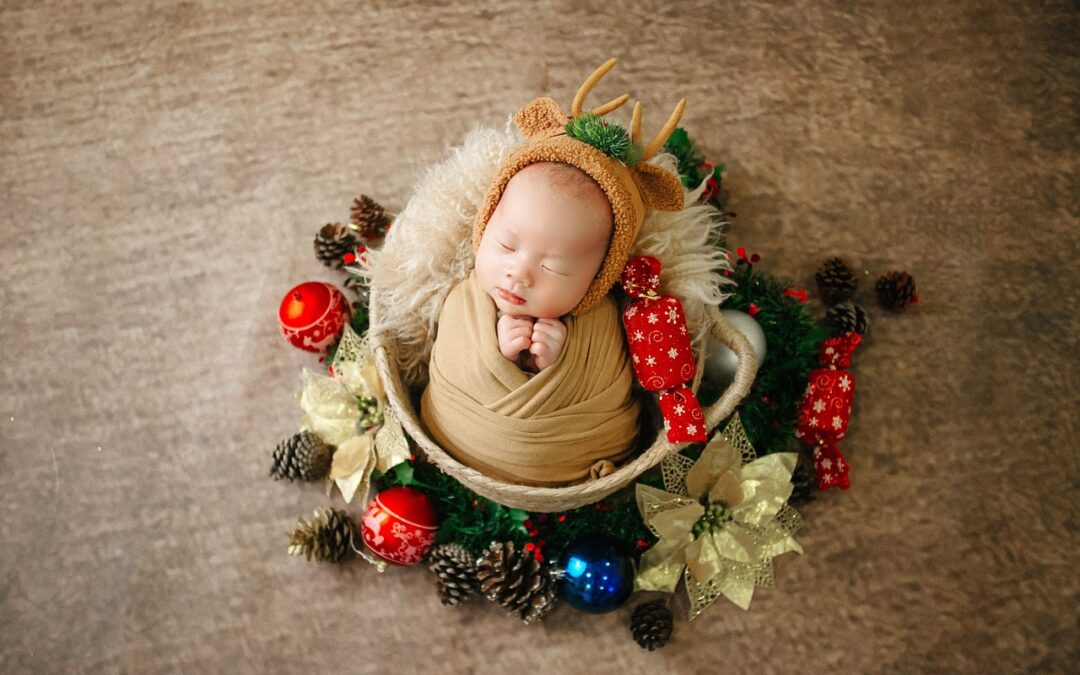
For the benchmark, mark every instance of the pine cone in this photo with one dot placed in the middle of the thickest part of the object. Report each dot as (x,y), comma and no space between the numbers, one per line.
(369,218)
(302,456)
(845,317)
(836,282)
(896,290)
(328,536)
(332,242)
(651,624)
(804,478)
(517,581)
(455,568)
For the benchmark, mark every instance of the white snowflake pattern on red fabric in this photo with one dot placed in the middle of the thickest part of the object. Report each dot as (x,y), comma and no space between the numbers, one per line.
(845,383)
(819,406)
(657,334)
(679,409)
(837,422)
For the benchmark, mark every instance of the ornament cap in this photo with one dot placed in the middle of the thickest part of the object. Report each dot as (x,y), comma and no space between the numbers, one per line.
(641,277)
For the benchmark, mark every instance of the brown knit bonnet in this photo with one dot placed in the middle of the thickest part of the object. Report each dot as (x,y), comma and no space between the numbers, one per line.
(631,189)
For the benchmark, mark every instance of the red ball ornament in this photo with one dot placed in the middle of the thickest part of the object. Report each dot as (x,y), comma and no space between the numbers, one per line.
(400,525)
(312,315)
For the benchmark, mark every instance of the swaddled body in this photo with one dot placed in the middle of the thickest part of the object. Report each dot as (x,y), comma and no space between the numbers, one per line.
(539,254)
(572,420)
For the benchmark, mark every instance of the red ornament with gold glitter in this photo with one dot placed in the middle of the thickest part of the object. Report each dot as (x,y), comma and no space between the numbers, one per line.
(312,315)
(400,525)
(660,350)
(826,409)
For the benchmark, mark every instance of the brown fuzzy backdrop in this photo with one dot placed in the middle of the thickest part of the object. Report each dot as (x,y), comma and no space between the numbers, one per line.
(165,166)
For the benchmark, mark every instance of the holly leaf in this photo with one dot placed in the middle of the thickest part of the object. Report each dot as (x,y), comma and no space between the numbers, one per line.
(403,474)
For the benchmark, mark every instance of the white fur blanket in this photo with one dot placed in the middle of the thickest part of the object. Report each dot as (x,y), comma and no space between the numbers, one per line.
(428,249)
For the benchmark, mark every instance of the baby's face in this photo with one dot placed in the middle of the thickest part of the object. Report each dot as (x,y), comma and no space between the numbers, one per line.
(545,242)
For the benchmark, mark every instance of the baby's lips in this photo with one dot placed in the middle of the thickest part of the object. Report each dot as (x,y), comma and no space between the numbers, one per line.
(510,297)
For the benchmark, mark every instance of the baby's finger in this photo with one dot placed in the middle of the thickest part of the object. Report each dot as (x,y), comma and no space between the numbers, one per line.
(518,344)
(520,332)
(539,349)
(548,334)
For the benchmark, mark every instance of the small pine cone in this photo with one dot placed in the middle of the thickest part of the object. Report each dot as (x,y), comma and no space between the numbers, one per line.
(369,218)
(846,317)
(896,290)
(835,280)
(328,536)
(804,479)
(301,456)
(332,242)
(651,624)
(517,581)
(455,569)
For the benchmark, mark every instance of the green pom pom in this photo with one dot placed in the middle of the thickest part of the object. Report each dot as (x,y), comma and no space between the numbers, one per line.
(611,139)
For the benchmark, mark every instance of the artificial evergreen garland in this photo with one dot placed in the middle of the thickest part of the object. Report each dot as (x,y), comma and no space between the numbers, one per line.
(770,411)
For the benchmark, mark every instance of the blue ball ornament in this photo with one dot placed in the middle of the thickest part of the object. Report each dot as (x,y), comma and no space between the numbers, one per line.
(596,578)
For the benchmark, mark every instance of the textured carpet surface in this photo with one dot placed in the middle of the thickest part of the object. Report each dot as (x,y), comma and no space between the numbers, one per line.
(165,165)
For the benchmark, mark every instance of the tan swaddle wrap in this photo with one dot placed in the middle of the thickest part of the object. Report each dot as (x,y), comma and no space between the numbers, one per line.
(568,423)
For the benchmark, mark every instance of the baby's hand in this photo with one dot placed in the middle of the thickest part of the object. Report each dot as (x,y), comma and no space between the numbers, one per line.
(548,338)
(514,334)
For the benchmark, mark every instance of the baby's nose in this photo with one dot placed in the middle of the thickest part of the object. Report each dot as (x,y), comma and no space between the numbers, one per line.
(519,275)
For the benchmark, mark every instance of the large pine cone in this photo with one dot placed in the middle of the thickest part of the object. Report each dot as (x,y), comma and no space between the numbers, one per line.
(896,290)
(651,624)
(302,456)
(836,282)
(369,218)
(455,569)
(328,536)
(846,317)
(332,242)
(517,581)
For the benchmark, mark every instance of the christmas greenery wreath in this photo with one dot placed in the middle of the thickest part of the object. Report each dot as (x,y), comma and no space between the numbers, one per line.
(687,520)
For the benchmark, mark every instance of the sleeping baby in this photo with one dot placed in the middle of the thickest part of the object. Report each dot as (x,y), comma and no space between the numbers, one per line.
(529,379)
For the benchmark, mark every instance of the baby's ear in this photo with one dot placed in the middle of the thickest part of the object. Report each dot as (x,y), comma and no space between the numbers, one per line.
(541,118)
(660,189)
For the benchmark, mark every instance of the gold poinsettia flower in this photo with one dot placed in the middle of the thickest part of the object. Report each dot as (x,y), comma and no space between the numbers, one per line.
(349,411)
(720,521)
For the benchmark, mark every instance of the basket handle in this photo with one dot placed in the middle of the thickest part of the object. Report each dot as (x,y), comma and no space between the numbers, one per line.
(726,334)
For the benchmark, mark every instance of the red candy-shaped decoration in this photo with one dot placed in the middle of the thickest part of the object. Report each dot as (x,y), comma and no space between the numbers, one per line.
(312,315)
(660,349)
(826,409)
(400,525)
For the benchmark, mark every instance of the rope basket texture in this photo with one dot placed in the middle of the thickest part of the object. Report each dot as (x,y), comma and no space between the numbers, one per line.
(552,499)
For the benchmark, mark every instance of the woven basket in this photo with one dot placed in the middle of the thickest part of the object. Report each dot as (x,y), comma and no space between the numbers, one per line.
(551,499)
